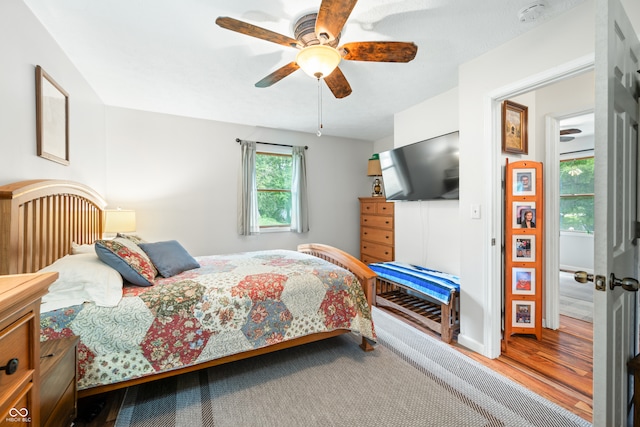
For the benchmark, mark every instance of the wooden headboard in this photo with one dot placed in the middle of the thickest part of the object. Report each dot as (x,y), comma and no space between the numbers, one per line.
(39,219)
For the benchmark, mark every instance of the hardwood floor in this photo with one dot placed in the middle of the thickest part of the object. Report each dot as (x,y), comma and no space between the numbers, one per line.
(559,368)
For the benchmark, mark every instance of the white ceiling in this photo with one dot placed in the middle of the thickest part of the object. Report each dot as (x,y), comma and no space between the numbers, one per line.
(169,56)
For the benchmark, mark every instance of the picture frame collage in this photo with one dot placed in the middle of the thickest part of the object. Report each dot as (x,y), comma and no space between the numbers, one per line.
(523,256)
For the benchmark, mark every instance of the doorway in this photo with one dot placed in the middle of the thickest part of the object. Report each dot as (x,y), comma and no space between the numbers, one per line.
(576,214)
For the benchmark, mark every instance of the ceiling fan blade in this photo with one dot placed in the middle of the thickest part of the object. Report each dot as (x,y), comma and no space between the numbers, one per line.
(379,51)
(278,75)
(338,84)
(255,31)
(332,16)
(570,131)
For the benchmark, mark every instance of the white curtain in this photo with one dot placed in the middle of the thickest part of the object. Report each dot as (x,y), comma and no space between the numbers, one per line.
(299,197)
(248,216)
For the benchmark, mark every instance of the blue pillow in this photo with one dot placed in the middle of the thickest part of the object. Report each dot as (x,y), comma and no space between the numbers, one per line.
(170,258)
(128,259)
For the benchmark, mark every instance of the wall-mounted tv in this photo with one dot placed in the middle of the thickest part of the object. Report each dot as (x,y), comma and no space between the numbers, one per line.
(425,170)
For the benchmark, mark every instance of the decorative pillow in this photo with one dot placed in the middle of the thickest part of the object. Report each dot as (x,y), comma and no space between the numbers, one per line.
(170,258)
(128,259)
(133,237)
(82,249)
(82,278)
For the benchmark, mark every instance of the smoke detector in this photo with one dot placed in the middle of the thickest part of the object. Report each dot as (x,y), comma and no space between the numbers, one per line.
(531,12)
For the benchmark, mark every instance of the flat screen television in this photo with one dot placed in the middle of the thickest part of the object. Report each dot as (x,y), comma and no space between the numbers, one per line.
(425,170)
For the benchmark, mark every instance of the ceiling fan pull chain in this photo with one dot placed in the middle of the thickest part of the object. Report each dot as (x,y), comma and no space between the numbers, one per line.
(319,108)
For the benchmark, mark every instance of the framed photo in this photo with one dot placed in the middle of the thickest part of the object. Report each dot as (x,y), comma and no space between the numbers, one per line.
(514,128)
(524,182)
(524,215)
(52,118)
(523,281)
(523,314)
(524,248)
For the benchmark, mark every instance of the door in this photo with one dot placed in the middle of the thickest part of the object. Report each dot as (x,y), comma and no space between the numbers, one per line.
(616,136)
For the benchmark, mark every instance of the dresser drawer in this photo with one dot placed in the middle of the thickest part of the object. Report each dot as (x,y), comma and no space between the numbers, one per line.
(375,250)
(16,343)
(376,208)
(58,381)
(368,259)
(17,413)
(385,222)
(376,235)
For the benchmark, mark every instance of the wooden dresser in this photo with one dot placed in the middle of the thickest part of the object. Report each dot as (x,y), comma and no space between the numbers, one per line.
(376,230)
(20,347)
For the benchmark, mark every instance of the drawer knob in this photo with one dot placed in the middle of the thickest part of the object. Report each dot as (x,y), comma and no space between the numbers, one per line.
(11,367)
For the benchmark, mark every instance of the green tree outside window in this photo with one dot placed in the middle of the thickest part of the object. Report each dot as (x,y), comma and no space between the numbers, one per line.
(273,181)
(576,195)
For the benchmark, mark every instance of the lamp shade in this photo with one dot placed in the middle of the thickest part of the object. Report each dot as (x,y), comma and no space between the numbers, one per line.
(119,221)
(373,168)
(318,60)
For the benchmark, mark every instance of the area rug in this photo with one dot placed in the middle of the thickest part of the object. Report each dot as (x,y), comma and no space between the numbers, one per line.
(410,379)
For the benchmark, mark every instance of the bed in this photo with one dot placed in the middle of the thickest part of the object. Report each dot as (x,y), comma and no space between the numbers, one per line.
(427,296)
(228,308)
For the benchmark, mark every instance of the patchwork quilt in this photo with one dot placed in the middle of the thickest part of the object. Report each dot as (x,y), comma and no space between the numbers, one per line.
(231,304)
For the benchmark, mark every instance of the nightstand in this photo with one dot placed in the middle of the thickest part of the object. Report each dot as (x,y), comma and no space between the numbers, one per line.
(58,392)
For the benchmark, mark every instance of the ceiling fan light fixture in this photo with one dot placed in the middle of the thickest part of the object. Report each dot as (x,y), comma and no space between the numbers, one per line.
(318,61)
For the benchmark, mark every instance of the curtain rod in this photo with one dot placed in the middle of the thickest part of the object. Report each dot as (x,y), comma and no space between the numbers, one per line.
(272,143)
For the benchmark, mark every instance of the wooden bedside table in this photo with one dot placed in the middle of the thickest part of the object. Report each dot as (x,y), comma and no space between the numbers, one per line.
(20,346)
(58,392)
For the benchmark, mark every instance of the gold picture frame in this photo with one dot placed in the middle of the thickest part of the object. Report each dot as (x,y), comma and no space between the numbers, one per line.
(514,128)
(52,119)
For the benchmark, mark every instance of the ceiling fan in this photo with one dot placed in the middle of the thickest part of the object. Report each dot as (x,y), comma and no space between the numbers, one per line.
(317,36)
(565,132)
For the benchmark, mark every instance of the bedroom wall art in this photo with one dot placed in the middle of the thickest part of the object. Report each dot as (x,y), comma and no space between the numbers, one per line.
(514,128)
(524,221)
(52,118)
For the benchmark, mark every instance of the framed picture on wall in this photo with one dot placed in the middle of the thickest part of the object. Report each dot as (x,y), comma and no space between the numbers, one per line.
(514,128)
(524,248)
(523,281)
(523,314)
(524,182)
(52,119)
(524,215)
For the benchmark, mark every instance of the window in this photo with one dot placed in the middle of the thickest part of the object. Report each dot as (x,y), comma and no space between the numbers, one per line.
(273,181)
(576,195)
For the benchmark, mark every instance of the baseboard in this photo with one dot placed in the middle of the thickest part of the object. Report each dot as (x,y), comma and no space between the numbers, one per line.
(472,345)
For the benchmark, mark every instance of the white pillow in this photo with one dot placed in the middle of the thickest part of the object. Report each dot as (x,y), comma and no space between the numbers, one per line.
(82,278)
(77,249)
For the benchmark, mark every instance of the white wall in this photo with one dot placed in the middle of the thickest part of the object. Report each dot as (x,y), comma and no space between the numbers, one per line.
(180,175)
(25,44)
(558,41)
(428,233)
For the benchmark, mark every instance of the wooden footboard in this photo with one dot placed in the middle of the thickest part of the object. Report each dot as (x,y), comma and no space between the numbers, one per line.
(363,273)
(441,318)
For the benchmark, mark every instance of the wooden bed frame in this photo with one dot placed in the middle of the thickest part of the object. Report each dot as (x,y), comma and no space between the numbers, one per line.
(39,219)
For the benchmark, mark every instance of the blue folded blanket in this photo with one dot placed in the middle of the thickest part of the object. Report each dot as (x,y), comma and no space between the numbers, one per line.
(433,283)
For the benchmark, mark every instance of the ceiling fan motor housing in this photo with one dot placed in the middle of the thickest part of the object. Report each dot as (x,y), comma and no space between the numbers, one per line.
(304,30)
